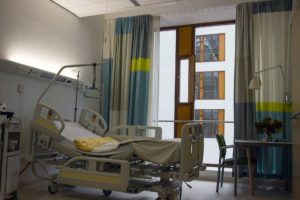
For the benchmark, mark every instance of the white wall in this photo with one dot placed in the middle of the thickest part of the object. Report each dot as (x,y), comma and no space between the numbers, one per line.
(43,35)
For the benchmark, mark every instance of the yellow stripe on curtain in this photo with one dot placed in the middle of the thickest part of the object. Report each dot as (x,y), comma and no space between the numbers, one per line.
(273,107)
(140,64)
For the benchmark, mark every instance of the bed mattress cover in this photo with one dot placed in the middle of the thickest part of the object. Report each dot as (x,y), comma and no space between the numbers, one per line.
(148,149)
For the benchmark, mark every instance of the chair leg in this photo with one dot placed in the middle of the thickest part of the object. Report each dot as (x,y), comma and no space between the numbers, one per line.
(222,176)
(218,178)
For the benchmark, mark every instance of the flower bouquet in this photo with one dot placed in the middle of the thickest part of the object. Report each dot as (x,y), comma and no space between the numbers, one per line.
(268,127)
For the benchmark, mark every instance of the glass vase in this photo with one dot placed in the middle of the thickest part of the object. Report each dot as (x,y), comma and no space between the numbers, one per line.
(268,137)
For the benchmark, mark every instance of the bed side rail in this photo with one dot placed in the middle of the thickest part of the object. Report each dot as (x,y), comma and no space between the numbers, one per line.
(92,121)
(104,173)
(43,120)
(137,130)
(192,147)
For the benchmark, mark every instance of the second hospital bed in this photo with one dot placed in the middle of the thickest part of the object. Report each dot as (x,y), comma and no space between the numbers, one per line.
(138,163)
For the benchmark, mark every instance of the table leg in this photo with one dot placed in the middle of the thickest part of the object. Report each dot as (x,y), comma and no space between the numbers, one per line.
(235,171)
(250,171)
(289,169)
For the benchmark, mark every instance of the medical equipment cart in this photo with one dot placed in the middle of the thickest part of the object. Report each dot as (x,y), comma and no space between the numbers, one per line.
(9,158)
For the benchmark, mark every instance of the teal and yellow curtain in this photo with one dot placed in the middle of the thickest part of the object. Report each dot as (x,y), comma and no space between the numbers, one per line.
(127,48)
(262,41)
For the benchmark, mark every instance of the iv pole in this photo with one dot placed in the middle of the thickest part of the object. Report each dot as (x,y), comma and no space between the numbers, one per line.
(76,97)
(57,75)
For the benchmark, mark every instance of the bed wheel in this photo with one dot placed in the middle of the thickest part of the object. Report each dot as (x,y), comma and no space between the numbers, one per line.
(53,188)
(106,193)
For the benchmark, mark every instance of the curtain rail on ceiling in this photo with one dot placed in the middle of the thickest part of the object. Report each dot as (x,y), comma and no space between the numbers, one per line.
(192,121)
(167,13)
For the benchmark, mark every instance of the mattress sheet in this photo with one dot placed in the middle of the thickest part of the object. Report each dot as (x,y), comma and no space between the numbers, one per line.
(148,149)
(151,149)
(73,131)
(156,151)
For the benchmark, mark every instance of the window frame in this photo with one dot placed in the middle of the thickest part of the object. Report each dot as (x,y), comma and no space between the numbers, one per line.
(219,125)
(224,88)
(196,55)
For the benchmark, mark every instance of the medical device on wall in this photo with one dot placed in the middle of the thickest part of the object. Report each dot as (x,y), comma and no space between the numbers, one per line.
(10,131)
(24,70)
(91,90)
(57,76)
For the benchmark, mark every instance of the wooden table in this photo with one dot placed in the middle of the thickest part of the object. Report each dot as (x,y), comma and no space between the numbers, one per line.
(254,144)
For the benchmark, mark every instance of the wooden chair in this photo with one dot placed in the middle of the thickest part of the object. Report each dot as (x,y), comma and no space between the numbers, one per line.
(229,162)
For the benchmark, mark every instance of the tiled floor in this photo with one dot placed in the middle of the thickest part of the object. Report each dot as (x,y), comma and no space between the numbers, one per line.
(202,190)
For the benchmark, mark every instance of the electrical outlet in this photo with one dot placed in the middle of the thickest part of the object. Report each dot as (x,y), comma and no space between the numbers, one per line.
(21,88)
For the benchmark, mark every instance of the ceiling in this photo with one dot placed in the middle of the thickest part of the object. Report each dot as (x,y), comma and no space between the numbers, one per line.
(117,8)
(83,8)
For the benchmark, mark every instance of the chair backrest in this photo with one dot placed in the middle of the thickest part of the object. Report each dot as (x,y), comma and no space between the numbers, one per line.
(221,143)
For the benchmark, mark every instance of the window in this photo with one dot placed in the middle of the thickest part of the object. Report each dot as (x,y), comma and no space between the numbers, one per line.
(213,93)
(184,81)
(210,85)
(194,60)
(210,48)
(211,129)
(166,103)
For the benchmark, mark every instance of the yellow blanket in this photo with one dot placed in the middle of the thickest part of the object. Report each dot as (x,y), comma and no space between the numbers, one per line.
(96,144)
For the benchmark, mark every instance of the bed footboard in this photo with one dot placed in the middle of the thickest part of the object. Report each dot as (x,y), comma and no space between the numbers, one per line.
(107,174)
(192,147)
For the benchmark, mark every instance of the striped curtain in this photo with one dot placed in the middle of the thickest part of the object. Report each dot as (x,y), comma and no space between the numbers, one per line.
(127,47)
(263,42)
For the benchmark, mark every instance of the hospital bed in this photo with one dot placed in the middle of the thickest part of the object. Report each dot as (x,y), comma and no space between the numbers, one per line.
(140,161)
(124,169)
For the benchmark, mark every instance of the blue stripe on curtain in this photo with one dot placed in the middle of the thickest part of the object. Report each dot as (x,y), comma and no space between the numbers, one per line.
(106,83)
(124,25)
(244,118)
(272,6)
(138,103)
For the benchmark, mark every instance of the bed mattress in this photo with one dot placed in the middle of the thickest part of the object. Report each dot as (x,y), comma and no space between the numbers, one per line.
(148,149)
